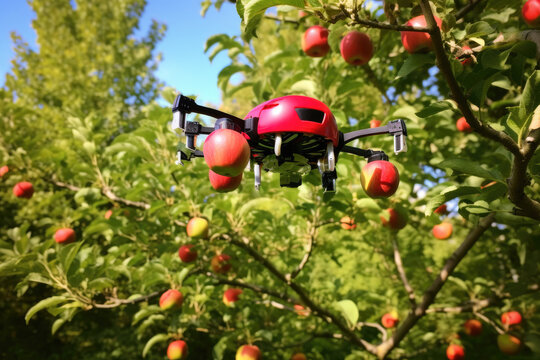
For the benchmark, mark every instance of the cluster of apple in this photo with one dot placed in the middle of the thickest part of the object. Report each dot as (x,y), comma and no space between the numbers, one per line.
(356,47)
(507,343)
(226,153)
(443,230)
(25,190)
(197,228)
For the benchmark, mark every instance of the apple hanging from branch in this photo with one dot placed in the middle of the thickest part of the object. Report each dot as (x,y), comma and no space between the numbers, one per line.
(416,41)
(171,298)
(315,41)
(23,190)
(186,253)
(248,352)
(356,48)
(65,236)
(197,227)
(177,350)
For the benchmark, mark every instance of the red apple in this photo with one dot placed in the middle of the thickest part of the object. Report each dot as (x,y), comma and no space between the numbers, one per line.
(220,264)
(300,310)
(455,352)
(64,236)
(442,231)
(531,13)
(23,190)
(197,227)
(379,178)
(171,298)
(390,320)
(248,352)
(108,214)
(374,123)
(177,350)
(347,223)
(356,48)
(298,356)
(226,152)
(511,318)
(508,344)
(463,126)
(466,59)
(414,41)
(4,170)
(230,296)
(222,183)
(397,219)
(186,254)
(473,327)
(315,41)
(441,210)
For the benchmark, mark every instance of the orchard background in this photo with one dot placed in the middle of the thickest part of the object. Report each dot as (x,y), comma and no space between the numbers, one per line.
(86,121)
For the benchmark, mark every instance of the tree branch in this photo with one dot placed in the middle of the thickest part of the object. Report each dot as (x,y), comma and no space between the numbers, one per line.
(301,292)
(117,302)
(401,272)
(518,178)
(254,288)
(467,8)
(311,242)
(356,20)
(457,94)
(107,193)
(429,295)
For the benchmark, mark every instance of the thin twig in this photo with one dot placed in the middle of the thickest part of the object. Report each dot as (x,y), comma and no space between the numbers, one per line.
(312,236)
(114,302)
(107,192)
(254,288)
(431,293)
(467,8)
(402,274)
(457,94)
(489,321)
(377,326)
(318,310)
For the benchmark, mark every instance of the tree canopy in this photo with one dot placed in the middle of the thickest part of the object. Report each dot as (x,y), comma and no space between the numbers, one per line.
(80,120)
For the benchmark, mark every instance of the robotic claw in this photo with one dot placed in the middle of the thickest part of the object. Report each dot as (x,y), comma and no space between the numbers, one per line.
(290,135)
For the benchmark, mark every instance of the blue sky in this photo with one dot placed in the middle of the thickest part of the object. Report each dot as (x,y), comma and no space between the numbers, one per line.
(184,65)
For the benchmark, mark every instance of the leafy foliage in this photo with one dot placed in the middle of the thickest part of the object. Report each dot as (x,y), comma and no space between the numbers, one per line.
(94,140)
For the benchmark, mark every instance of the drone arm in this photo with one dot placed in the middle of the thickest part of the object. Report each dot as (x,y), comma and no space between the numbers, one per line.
(368,154)
(396,128)
(184,105)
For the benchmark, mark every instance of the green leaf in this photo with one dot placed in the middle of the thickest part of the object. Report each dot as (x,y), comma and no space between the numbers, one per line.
(448,194)
(251,12)
(277,208)
(470,168)
(350,311)
(56,325)
(67,254)
(154,340)
(479,29)
(478,207)
(414,62)
(435,108)
(368,204)
(43,304)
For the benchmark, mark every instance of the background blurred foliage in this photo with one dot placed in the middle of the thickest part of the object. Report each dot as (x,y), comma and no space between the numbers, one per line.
(81,111)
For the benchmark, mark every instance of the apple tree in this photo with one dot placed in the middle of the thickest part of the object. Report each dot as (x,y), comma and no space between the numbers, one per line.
(289,271)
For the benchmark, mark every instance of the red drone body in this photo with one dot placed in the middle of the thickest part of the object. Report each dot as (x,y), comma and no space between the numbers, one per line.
(290,135)
(296,114)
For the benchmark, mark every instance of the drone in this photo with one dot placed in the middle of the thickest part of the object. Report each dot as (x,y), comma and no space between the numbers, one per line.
(289,135)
